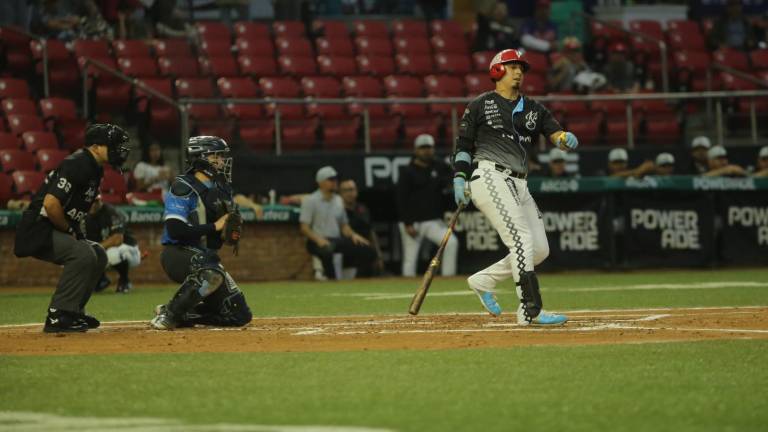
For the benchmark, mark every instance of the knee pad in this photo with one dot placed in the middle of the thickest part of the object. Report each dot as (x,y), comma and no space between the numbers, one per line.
(209,280)
(531,296)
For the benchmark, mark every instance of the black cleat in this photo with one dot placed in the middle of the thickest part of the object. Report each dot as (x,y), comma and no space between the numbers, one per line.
(124,286)
(102,284)
(91,321)
(59,321)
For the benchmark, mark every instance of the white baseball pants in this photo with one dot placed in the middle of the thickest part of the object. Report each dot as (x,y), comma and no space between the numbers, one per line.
(124,252)
(434,231)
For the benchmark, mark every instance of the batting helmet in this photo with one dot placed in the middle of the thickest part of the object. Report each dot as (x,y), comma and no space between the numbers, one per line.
(496,70)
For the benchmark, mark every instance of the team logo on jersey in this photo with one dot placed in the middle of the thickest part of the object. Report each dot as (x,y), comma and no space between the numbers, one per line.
(90,194)
(530,120)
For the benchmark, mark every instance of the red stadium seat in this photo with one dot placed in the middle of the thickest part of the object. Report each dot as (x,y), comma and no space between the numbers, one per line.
(662,131)
(414,45)
(449,44)
(734,83)
(172,48)
(280,87)
(18,55)
(56,50)
(297,65)
(685,41)
(691,69)
(131,49)
(652,107)
(255,47)
(257,66)
(291,29)
(299,132)
(113,183)
(339,129)
(25,123)
(63,71)
(683,26)
(321,87)
(200,88)
(413,127)
(219,66)
(373,46)
(482,60)
(13,88)
(453,64)
(588,130)
(648,28)
(213,30)
(252,30)
(375,65)
(446,28)
(337,66)
(294,46)
(27,182)
(181,67)
(414,64)
(34,141)
(139,67)
(6,188)
(572,108)
(12,160)
(402,85)
(216,48)
(412,28)
(732,58)
(91,48)
(607,32)
(616,130)
(759,59)
(539,62)
(445,86)
(331,29)
(19,107)
(163,118)
(58,109)
(49,159)
(362,87)
(62,114)
(377,29)
(610,108)
(335,47)
(534,84)
(408,111)
(478,83)
(9,141)
(237,87)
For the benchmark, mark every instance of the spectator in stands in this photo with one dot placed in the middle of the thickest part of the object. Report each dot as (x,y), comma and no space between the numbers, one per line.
(14,13)
(571,72)
(699,160)
(324,222)
(719,166)
(556,165)
(107,226)
(618,165)
(421,188)
(118,14)
(167,20)
(539,33)
(761,168)
(360,219)
(665,164)
(495,30)
(152,173)
(733,30)
(620,73)
(59,19)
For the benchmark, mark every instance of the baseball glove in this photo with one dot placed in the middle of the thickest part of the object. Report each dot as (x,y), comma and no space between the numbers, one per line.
(232,230)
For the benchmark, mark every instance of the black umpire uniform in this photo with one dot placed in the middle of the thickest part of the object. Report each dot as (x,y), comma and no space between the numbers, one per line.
(51,227)
(208,295)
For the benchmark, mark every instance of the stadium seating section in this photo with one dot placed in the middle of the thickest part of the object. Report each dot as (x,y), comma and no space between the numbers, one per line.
(334,59)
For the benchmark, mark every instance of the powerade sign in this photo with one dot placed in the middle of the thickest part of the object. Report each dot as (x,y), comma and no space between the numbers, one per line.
(677,229)
(744,224)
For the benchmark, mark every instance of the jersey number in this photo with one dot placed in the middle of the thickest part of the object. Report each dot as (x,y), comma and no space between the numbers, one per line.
(64,184)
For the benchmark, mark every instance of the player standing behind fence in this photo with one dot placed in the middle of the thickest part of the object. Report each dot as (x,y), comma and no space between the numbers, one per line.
(199,218)
(496,136)
(420,190)
(50,228)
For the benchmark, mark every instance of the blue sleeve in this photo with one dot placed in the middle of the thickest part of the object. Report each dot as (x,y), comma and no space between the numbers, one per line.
(179,207)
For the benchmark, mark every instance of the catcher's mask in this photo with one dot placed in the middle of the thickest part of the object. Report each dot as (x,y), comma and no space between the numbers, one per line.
(209,155)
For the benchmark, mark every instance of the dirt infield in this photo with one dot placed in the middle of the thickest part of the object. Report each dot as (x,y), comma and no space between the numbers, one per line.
(390,332)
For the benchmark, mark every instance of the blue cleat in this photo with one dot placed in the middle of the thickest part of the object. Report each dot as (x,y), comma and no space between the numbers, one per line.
(547,318)
(488,299)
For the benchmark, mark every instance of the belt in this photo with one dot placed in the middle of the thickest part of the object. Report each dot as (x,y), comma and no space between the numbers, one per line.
(502,169)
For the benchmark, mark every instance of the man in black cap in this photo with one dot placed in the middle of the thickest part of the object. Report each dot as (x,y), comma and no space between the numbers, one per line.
(51,227)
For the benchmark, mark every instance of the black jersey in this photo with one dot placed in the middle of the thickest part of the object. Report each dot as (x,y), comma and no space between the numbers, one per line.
(75,183)
(105,222)
(504,131)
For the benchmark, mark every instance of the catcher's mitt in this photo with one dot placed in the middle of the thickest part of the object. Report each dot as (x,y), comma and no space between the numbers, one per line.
(232,230)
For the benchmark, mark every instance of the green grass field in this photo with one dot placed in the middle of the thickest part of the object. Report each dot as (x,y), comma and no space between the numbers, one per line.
(690,386)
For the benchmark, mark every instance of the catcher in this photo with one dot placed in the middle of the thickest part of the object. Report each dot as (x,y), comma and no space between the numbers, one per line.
(208,295)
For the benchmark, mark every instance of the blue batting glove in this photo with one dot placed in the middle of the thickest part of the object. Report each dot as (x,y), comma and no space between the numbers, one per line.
(570,141)
(459,191)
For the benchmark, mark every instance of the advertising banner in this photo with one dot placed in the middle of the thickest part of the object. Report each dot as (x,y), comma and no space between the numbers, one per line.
(743,237)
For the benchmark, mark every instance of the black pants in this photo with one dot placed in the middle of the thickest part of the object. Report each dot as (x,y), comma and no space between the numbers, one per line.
(359,256)
(224,307)
(84,262)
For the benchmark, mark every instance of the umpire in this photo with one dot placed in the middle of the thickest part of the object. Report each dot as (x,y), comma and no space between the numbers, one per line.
(51,227)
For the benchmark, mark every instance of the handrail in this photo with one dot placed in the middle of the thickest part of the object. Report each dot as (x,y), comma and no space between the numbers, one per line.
(743,75)
(662,47)
(752,111)
(44,45)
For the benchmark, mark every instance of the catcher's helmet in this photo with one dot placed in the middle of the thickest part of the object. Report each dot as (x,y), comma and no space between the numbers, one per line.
(114,137)
(198,150)
(496,69)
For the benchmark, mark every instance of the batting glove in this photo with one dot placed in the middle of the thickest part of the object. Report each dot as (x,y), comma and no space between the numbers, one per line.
(570,141)
(459,191)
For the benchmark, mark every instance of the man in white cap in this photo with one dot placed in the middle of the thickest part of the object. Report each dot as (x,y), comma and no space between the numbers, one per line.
(421,189)
(324,222)
(699,160)
(556,164)
(719,165)
(618,165)
(761,168)
(665,164)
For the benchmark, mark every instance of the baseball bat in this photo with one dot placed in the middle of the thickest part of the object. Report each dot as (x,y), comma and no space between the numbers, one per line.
(426,281)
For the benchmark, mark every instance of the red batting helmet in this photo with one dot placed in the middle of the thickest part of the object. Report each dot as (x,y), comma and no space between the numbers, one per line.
(496,69)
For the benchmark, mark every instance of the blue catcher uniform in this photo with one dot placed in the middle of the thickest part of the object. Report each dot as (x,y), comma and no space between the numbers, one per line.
(208,295)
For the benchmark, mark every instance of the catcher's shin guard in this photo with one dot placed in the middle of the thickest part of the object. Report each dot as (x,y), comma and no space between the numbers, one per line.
(530,295)
(197,286)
